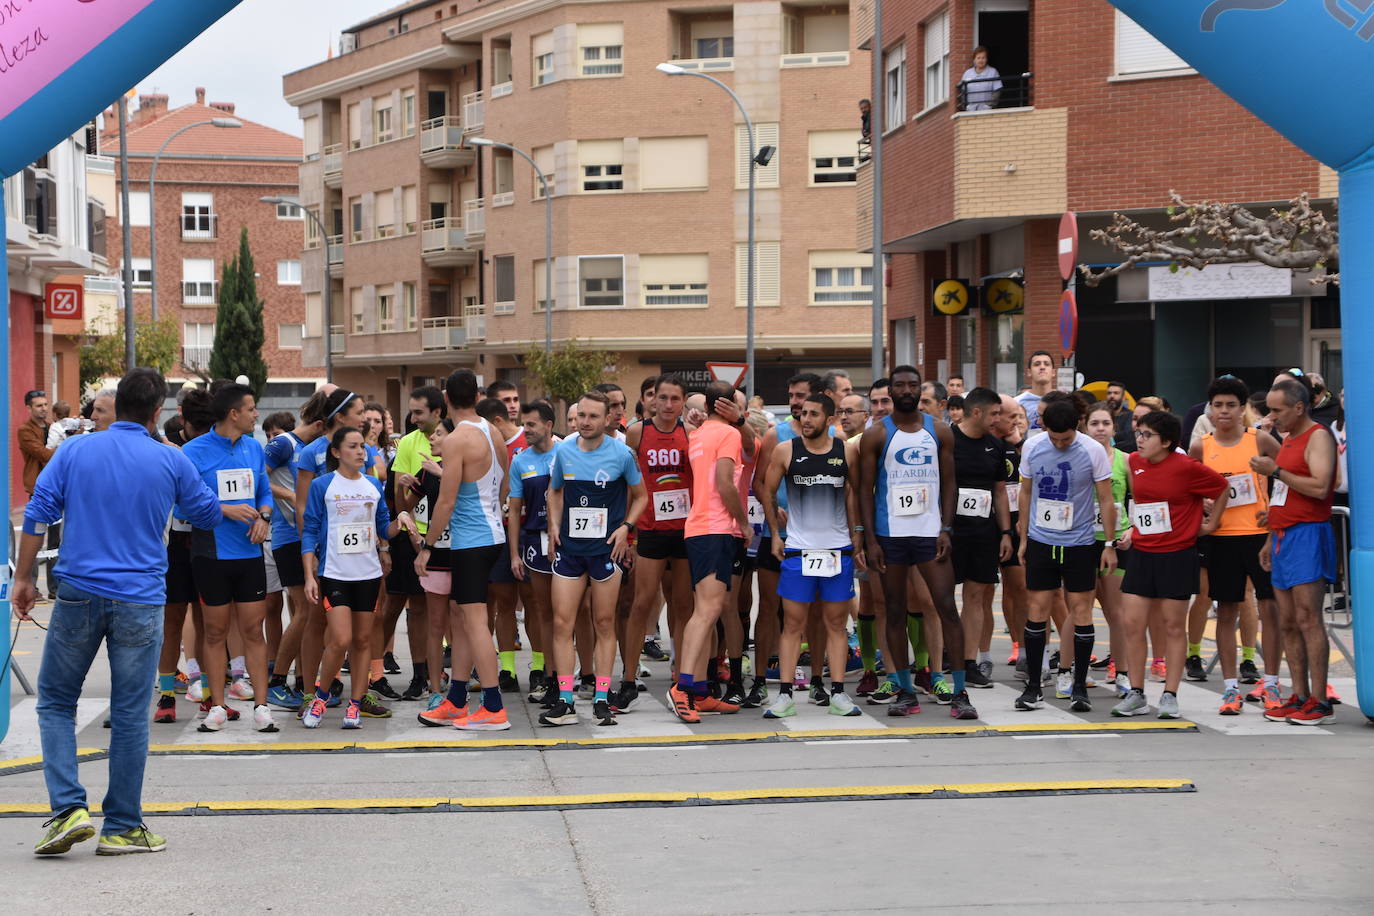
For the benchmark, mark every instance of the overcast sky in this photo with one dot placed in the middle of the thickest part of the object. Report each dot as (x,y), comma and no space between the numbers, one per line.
(242,57)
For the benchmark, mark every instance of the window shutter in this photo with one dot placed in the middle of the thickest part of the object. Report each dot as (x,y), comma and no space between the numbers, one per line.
(1137,51)
(767,262)
(672,162)
(765,134)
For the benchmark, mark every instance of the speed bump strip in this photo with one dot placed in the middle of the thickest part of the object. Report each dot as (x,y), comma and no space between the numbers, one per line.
(713,798)
(27,764)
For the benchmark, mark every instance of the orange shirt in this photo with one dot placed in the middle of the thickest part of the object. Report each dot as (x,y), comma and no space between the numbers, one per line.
(713,441)
(1249,492)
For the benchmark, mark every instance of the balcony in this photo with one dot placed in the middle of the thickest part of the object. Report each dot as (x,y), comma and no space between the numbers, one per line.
(707,64)
(444,243)
(995,93)
(476,318)
(333,165)
(197,293)
(336,339)
(502,89)
(194,358)
(816,59)
(199,226)
(447,333)
(474,112)
(336,255)
(441,144)
(475,219)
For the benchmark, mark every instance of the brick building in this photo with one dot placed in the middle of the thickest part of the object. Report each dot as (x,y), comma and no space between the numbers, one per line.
(209,181)
(438,250)
(1094,116)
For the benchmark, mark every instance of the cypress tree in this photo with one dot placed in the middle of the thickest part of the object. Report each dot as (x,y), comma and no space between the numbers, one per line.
(239,335)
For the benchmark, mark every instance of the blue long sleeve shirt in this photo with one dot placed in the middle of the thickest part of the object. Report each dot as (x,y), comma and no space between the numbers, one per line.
(115,490)
(236,472)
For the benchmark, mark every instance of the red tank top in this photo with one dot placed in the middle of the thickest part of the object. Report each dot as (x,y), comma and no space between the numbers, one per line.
(667,474)
(1287,506)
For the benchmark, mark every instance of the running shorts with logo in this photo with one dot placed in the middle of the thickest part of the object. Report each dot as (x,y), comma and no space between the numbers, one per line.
(1051,566)
(1303,553)
(796,585)
(222,582)
(598,567)
(359,596)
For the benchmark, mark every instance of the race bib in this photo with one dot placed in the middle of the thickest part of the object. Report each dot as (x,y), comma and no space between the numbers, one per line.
(671,504)
(445,541)
(820,564)
(1097,523)
(1151,518)
(756,512)
(909,499)
(974,503)
(421,512)
(1053,515)
(584,522)
(234,483)
(355,538)
(1014,497)
(1241,490)
(1280,494)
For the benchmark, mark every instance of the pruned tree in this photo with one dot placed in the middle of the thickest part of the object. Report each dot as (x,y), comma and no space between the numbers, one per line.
(1299,236)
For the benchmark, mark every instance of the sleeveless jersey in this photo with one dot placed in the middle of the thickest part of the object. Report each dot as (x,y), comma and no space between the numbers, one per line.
(1286,505)
(907,497)
(667,475)
(1248,494)
(476,520)
(815,484)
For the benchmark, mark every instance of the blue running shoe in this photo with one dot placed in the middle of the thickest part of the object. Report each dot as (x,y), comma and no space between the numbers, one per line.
(284,697)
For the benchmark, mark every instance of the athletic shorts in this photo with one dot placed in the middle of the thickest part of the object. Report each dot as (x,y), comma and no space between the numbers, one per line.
(269,563)
(712,555)
(180,580)
(500,573)
(1174,575)
(1233,559)
(598,567)
(438,561)
(975,556)
(471,569)
(402,579)
(535,550)
(908,551)
(1303,553)
(290,566)
(662,545)
(1015,559)
(437,582)
(765,556)
(1049,568)
(358,596)
(793,585)
(1203,547)
(222,582)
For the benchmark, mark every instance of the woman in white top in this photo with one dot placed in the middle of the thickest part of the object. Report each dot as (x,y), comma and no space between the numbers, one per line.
(985,83)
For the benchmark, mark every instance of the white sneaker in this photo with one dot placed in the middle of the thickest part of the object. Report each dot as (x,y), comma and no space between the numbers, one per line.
(643,672)
(1063,688)
(195,692)
(214,719)
(241,689)
(782,707)
(842,705)
(262,719)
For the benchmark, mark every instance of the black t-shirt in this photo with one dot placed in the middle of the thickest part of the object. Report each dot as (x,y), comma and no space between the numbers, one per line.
(979,464)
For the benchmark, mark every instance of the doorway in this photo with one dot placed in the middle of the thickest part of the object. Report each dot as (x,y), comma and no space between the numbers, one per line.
(1003,27)
(436,103)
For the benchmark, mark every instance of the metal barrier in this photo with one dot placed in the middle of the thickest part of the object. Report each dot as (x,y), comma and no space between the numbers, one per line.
(1338,609)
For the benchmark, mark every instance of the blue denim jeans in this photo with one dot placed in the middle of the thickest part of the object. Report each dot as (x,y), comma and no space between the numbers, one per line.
(133,637)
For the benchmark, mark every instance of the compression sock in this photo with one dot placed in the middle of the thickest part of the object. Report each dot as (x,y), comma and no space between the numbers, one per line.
(1247,653)
(536,661)
(868,641)
(167,684)
(491,699)
(1034,641)
(915,632)
(904,680)
(565,689)
(603,689)
(958,677)
(1083,638)
(507,661)
(1194,648)
(687,683)
(737,669)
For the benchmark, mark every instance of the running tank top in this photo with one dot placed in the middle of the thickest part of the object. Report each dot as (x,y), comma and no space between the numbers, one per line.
(907,496)
(476,520)
(815,484)
(667,475)
(1248,494)
(1287,506)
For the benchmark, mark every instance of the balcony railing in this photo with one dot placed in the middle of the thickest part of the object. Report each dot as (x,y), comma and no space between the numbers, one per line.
(707,63)
(476,318)
(447,333)
(475,217)
(441,143)
(199,225)
(474,112)
(336,338)
(442,234)
(503,199)
(500,89)
(815,59)
(333,163)
(336,250)
(196,357)
(195,292)
(995,92)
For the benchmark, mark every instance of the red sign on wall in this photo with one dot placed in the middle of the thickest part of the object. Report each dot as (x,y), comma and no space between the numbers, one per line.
(63,300)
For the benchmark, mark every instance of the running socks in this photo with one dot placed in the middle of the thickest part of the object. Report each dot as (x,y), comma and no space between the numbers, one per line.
(1247,653)
(915,631)
(167,684)
(1083,638)
(536,661)
(737,669)
(565,689)
(836,688)
(237,666)
(868,641)
(984,655)
(1194,648)
(904,680)
(603,689)
(507,661)
(958,676)
(458,692)
(491,699)
(1034,640)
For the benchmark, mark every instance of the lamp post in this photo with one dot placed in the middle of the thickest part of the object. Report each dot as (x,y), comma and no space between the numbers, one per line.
(548,232)
(152,191)
(675,70)
(328,282)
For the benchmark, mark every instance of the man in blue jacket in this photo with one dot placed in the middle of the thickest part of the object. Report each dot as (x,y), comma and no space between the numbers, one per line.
(118,491)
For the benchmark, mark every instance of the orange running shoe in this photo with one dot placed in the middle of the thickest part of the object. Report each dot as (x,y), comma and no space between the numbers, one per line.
(681,704)
(483,720)
(1011,659)
(1158,670)
(1332,696)
(444,713)
(1231,703)
(710,704)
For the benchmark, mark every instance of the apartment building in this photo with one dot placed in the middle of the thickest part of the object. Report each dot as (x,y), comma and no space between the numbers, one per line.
(1094,116)
(435,251)
(208,187)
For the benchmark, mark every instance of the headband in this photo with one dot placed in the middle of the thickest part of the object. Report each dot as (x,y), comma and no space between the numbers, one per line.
(350,397)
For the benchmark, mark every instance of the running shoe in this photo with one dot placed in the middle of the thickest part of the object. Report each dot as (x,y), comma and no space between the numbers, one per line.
(842,705)
(653,651)
(551,696)
(643,670)
(306,700)
(819,695)
(867,684)
(710,704)
(352,717)
(1020,670)
(1281,712)
(734,695)
(508,682)
(961,707)
(389,663)
(623,698)
(372,708)
(1053,663)
(383,688)
(262,720)
(484,720)
(1111,671)
(166,712)
(921,679)
(215,719)
(283,697)
(541,693)
(1133,704)
(140,839)
(1015,653)
(757,696)
(1100,663)
(1080,702)
(183,682)
(1123,687)
(64,832)
(415,689)
(442,713)
(560,713)
(942,691)
(196,692)
(975,677)
(209,704)
(241,689)
(314,713)
(1158,670)
(682,704)
(1231,703)
(601,712)
(783,707)
(907,703)
(985,669)
(537,678)
(1332,698)
(799,679)
(1030,698)
(1313,712)
(586,688)
(1249,672)
(1063,687)
(886,693)
(1168,706)
(1193,669)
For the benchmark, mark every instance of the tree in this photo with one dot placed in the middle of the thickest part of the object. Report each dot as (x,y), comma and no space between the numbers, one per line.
(239,334)
(156,344)
(569,371)
(1206,232)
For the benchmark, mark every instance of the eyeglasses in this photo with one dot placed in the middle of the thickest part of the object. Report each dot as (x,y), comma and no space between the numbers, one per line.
(1145,433)
(849,411)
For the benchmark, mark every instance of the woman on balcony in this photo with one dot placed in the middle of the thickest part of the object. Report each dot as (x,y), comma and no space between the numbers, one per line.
(981,83)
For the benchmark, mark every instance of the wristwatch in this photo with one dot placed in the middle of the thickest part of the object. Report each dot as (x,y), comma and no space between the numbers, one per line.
(1112,543)
(630,526)
(947,529)
(1274,475)
(266,517)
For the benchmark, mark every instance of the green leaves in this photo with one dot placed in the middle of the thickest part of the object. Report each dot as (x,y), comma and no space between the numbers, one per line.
(156,344)
(239,335)
(569,371)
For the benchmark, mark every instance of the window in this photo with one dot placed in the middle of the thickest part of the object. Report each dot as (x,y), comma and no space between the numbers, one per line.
(602,166)
(355,207)
(600,49)
(765,176)
(438,201)
(601,281)
(142,269)
(408,209)
(355,308)
(767,281)
(548,164)
(674,279)
(1137,51)
(937,60)
(384,213)
(894,88)
(671,163)
(833,156)
(409,312)
(312,138)
(139,210)
(503,175)
(383,128)
(288,273)
(355,126)
(289,211)
(199,338)
(289,336)
(95,226)
(197,215)
(314,314)
(503,275)
(386,311)
(841,277)
(721,46)
(312,233)
(541,295)
(500,61)
(198,281)
(408,113)
(541,50)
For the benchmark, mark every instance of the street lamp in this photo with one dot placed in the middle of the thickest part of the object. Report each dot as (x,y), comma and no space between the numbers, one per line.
(548,233)
(761,157)
(152,191)
(328,281)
